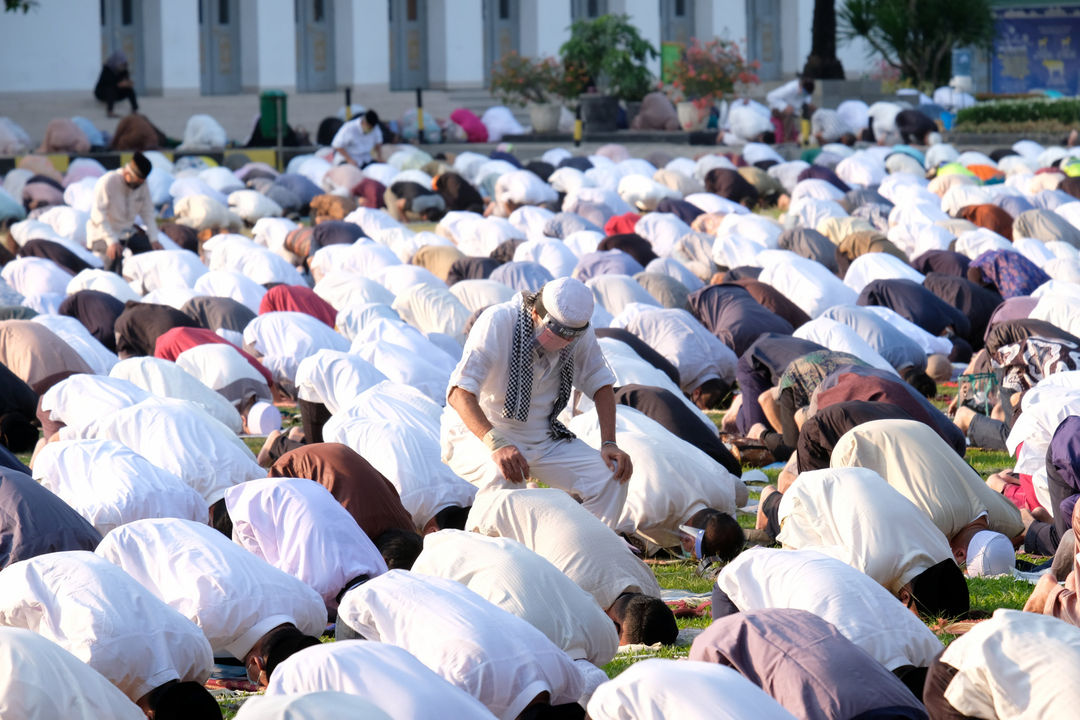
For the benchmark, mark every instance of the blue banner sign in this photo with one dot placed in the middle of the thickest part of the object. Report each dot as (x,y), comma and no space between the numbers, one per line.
(1033,50)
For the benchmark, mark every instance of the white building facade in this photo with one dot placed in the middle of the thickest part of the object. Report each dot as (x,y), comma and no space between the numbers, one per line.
(221,47)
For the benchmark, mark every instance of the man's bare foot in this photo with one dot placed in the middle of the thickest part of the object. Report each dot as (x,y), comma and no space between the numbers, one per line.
(963,418)
(762,522)
(999,480)
(263,458)
(1036,602)
(1042,515)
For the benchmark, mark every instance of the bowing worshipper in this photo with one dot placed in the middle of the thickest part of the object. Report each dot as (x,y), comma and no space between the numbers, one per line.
(385,674)
(43,681)
(297,299)
(978,521)
(977,303)
(810,244)
(512,408)
(912,301)
(852,514)
(862,242)
(121,196)
(220,314)
(1063,481)
(819,434)
(310,706)
(904,354)
(1021,365)
(55,252)
(367,495)
(731,185)
(164,379)
(658,689)
(1007,272)
(140,325)
(498,658)
(224,369)
(408,201)
(859,382)
(645,351)
(706,366)
(157,657)
(1009,666)
(516,579)
(187,442)
(773,300)
(730,313)
(806,665)
(458,194)
(916,128)
(670,412)
(759,369)
(109,484)
(37,355)
(97,311)
(82,399)
(18,411)
(787,405)
(863,611)
(34,521)
(632,244)
(248,609)
(943,262)
(676,490)
(298,527)
(990,216)
(171,344)
(551,524)
(280,340)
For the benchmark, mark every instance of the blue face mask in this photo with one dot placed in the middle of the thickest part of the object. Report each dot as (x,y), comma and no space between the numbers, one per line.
(698,535)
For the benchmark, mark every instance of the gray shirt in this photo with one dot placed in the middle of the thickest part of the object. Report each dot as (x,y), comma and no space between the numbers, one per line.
(897,348)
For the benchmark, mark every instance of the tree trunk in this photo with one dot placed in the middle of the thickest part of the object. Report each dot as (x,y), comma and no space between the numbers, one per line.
(822,62)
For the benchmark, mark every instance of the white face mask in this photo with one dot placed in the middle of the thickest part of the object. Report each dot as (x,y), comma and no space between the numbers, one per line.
(550,341)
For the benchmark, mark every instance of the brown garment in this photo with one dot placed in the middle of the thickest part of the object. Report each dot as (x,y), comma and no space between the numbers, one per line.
(136,132)
(182,235)
(862,242)
(361,489)
(774,300)
(989,216)
(298,242)
(331,207)
(62,135)
(768,187)
(937,682)
(437,258)
(34,352)
(139,326)
(656,113)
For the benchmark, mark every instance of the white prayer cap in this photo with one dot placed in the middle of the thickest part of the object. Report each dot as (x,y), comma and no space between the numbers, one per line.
(569,302)
(263,418)
(990,553)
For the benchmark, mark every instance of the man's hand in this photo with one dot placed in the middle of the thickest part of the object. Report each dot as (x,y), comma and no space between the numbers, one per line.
(1037,601)
(511,464)
(114,251)
(617,461)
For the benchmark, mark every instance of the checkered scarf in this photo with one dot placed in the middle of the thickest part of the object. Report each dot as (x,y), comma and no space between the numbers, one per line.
(520,377)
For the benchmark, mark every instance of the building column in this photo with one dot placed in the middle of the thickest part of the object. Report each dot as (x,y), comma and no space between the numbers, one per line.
(362,42)
(267,45)
(455,30)
(545,26)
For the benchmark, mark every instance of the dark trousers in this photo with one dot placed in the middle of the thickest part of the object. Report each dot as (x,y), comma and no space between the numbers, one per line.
(1043,538)
(136,241)
(937,681)
(313,416)
(112,95)
(752,383)
(985,432)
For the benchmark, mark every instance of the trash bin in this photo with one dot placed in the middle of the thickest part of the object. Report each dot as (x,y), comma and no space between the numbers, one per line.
(268,113)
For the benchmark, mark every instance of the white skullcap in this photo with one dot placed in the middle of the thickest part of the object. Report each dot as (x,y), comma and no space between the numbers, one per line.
(990,553)
(263,418)
(568,301)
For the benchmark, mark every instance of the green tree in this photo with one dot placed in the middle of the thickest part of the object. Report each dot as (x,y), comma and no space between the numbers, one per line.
(611,51)
(822,62)
(917,36)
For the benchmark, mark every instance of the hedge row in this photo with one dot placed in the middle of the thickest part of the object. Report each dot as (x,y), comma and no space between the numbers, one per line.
(1065,111)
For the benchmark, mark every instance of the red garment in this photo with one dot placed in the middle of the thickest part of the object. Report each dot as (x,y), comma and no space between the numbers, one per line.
(170,344)
(372,191)
(475,130)
(294,298)
(1023,495)
(621,224)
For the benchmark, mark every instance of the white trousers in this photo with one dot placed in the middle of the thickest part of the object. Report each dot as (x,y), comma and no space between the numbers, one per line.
(569,465)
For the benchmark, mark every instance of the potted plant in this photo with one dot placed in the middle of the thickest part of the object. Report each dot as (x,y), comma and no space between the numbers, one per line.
(706,74)
(525,82)
(612,54)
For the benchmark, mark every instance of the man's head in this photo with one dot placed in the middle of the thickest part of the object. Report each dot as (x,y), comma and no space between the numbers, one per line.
(563,307)
(939,591)
(989,553)
(715,535)
(807,85)
(369,120)
(272,649)
(641,619)
(219,518)
(938,367)
(919,380)
(449,518)
(399,548)
(136,171)
(183,701)
(711,394)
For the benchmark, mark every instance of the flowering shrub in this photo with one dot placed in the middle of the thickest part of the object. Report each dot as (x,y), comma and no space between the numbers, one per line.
(706,73)
(518,80)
